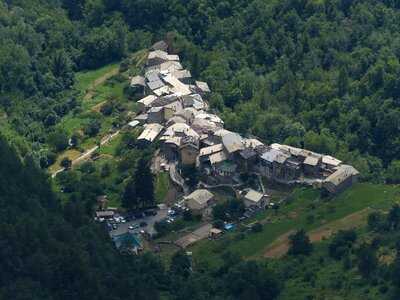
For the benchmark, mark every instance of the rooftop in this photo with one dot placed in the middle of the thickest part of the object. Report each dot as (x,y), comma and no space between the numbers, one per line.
(329,160)
(218,157)
(341,174)
(253,196)
(146,101)
(211,150)
(203,86)
(161,45)
(158,54)
(172,57)
(137,80)
(127,240)
(311,160)
(232,142)
(151,132)
(248,153)
(227,166)
(201,196)
(270,155)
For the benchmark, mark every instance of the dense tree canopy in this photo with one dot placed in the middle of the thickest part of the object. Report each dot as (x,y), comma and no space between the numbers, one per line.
(318,74)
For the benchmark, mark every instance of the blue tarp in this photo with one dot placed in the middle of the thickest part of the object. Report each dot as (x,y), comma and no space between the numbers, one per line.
(229,226)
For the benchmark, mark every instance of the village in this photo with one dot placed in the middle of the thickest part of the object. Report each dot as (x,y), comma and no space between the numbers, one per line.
(175,114)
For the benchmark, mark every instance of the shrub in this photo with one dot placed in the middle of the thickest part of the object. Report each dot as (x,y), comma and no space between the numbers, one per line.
(257,227)
(66,163)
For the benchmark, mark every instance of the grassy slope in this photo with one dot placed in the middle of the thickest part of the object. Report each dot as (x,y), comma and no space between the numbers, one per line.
(293,216)
(87,79)
(94,81)
(162,185)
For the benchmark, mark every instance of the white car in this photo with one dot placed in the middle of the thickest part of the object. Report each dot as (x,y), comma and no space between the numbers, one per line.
(122,220)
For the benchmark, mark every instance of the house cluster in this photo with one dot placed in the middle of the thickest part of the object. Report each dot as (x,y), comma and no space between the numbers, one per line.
(175,113)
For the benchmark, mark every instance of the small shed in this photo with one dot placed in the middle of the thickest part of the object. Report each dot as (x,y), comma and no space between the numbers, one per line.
(215,233)
(104,214)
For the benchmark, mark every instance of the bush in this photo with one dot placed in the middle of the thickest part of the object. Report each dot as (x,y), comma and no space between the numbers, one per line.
(310,219)
(124,65)
(66,163)
(163,228)
(324,194)
(87,167)
(342,243)
(257,227)
(92,128)
(218,224)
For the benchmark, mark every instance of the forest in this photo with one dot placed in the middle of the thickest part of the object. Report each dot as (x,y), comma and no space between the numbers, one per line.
(318,74)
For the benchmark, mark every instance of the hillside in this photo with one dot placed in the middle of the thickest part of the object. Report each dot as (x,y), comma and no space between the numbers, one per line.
(318,75)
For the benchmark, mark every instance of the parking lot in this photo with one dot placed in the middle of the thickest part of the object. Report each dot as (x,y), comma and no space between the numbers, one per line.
(150,220)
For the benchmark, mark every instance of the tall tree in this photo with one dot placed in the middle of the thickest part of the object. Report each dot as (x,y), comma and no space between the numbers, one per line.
(367,261)
(130,199)
(143,182)
(300,243)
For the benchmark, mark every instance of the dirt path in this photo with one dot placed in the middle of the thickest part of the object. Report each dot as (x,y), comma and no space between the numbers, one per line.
(86,155)
(97,107)
(280,245)
(103,78)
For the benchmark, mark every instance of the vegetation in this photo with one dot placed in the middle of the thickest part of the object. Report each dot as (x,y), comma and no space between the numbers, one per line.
(323,75)
(300,244)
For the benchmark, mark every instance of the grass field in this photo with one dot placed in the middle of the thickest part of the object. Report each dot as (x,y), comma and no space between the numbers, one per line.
(111,147)
(71,154)
(293,216)
(223,194)
(162,186)
(86,80)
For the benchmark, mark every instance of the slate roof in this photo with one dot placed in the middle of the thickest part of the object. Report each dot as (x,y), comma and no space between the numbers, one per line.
(248,153)
(232,142)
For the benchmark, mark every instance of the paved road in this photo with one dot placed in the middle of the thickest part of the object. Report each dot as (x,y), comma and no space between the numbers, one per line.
(177,179)
(124,227)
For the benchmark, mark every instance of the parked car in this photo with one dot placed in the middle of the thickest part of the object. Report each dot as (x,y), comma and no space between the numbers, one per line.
(151,212)
(139,215)
(122,220)
(115,226)
(134,226)
(172,212)
(128,218)
(143,224)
